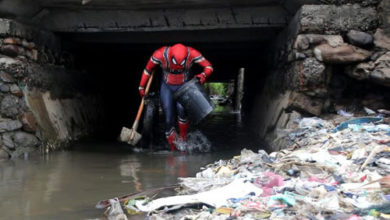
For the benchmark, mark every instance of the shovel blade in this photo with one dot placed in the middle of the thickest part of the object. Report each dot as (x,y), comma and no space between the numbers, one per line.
(127,136)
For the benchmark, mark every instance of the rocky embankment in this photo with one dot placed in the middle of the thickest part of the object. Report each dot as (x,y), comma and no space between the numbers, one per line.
(41,98)
(17,124)
(331,58)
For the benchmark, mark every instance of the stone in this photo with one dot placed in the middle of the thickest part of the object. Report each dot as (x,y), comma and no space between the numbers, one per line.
(19,139)
(9,125)
(308,76)
(32,54)
(9,50)
(11,40)
(376,55)
(303,103)
(340,55)
(305,75)
(13,66)
(24,152)
(15,90)
(299,56)
(10,106)
(28,45)
(381,73)
(294,116)
(4,87)
(332,19)
(382,39)
(304,41)
(6,77)
(28,121)
(361,71)
(360,38)
(7,140)
(23,139)
(4,154)
(312,72)
(381,76)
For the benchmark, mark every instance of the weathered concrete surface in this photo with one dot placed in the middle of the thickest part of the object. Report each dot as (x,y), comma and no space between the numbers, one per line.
(384,13)
(343,2)
(331,19)
(267,111)
(44,38)
(164,20)
(62,120)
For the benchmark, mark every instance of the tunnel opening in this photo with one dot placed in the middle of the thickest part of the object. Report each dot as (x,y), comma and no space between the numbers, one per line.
(113,70)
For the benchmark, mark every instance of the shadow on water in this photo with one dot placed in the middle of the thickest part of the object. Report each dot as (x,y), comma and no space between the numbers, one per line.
(68,184)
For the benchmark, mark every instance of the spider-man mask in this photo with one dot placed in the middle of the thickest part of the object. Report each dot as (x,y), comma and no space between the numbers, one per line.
(177,56)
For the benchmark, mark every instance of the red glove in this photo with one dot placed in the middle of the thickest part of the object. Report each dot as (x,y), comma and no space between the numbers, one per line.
(201,77)
(141,92)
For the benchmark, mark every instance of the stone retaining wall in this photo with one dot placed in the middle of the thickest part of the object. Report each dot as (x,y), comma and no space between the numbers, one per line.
(40,104)
(323,42)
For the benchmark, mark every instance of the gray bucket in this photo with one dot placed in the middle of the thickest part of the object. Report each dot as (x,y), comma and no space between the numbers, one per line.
(195,100)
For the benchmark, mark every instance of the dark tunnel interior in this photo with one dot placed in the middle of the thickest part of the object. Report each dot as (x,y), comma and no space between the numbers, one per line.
(113,71)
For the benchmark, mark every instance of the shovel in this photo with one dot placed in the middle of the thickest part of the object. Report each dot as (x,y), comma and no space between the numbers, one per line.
(131,136)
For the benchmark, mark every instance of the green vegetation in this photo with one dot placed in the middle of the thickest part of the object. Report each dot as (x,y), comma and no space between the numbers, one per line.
(217,88)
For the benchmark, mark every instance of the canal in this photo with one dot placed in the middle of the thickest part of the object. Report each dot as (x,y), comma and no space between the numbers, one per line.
(68,184)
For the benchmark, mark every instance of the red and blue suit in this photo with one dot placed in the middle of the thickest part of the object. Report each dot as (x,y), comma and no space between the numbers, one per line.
(175,62)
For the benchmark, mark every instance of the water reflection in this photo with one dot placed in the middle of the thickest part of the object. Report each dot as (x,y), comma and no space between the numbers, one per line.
(177,165)
(130,168)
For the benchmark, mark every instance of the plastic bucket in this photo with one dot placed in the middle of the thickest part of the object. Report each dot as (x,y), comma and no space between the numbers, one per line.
(195,100)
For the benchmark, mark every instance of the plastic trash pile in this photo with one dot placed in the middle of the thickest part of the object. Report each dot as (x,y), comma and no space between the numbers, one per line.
(325,172)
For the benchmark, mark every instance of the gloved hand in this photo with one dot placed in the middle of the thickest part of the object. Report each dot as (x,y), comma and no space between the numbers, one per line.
(142,92)
(201,77)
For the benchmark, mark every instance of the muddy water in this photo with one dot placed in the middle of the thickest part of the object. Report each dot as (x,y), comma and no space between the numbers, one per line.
(67,185)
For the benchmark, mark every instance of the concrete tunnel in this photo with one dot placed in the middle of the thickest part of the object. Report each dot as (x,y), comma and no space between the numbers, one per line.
(103,46)
(114,69)
(114,57)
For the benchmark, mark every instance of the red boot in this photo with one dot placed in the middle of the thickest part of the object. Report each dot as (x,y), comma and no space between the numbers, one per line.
(171,138)
(183,129)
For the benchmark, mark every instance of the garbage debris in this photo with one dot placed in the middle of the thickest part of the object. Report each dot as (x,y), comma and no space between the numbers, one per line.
(369,111)
(114,211)
(325,171)
(219,197)
(344,113)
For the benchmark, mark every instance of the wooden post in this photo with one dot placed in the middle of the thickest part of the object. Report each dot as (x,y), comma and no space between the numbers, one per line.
(239,89)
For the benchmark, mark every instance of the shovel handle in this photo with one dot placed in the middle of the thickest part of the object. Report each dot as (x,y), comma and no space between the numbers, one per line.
(141,106)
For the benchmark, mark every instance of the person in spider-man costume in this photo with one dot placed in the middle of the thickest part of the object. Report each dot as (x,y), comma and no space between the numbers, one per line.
(175,62)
